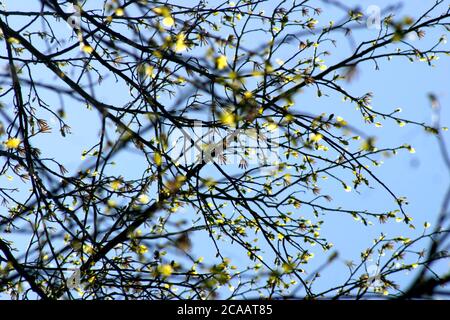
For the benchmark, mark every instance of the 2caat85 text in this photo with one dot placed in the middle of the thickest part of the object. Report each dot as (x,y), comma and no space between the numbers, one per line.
(226,309)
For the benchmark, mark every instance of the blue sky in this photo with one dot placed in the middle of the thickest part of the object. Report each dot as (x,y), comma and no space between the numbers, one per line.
(421,177)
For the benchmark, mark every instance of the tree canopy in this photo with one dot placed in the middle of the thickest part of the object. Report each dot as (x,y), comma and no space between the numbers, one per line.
(197,145)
